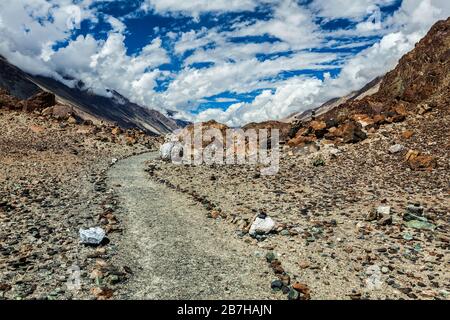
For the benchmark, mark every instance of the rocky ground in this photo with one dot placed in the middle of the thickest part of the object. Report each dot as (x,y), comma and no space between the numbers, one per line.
(52,174)
(330,241)
(173,249)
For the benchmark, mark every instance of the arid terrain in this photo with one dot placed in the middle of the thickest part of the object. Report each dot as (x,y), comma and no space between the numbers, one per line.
(348,183)
(324,239)
(360,203)
(52,183)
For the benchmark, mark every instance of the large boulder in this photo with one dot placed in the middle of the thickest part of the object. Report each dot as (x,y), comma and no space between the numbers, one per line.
(171,151)
(348,132)
(39,102)
(60,112)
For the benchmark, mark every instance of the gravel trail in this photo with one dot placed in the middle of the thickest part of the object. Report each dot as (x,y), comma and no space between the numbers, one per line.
(174,250)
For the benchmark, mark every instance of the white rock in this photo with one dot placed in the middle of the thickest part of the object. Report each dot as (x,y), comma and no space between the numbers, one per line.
(92,235)
(168,149)
(396,148)
(262,226)
(114,160)
(384,210)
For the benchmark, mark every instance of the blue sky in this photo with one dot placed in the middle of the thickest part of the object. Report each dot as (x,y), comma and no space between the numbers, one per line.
(233,61)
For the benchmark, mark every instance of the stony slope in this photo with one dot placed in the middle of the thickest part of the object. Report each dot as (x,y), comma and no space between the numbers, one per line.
(114,109)
(51,184)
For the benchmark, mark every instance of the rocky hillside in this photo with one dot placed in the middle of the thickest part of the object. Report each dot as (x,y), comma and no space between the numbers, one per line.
(369,89)
(418,84)
(114,109)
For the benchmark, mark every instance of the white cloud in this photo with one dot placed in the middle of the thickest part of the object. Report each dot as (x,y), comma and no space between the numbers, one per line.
(196,7)
(350,9)
(291,23)
(243,76)
(408,25)
(29,30)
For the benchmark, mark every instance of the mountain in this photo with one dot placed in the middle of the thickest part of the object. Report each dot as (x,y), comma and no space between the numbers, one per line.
(87,105)
(419,83)
(369,89)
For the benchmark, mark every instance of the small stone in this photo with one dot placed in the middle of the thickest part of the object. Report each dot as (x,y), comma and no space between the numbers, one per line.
(387,220)
(384,210)
(276,285)
(293,295)
(270,256)
(396,148)
(262,226)
(92,235)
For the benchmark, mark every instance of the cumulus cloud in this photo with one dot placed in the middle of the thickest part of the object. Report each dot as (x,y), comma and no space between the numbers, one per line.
(407,26)
(274,55)
(196,7)
(349,9)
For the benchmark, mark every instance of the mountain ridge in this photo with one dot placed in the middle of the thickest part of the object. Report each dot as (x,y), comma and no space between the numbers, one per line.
(115,110)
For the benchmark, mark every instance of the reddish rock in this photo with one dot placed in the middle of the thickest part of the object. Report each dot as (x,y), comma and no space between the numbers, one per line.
(303,289)
(348,132)
(407,134)
(417,161)
(39,102)
(401,109)
(319,128)
(379,119)
(116,131)
(301,141)
(422,162)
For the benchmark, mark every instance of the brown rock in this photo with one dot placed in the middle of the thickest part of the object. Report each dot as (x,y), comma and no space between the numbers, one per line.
(301,141)
(37,129)
(116,131)
(214,214)
(61,112)
(379,119)
(130,140)
(401,110)
(363,119)
(303,289)
(422,162)
(39,102)
(407,134)
(102,293)
(349,132)
(411,155)
(319,128)
(72,120)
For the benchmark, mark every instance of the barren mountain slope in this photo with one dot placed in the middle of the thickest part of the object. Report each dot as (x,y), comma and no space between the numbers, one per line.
(114,109)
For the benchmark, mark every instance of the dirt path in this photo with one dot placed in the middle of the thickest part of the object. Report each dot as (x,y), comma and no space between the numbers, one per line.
(176,252)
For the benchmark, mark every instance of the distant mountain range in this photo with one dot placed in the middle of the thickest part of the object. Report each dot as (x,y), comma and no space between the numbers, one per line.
(114,109)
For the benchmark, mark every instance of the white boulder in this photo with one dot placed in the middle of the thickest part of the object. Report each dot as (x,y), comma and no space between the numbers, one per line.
(262,226)
(169,150)
(92,235)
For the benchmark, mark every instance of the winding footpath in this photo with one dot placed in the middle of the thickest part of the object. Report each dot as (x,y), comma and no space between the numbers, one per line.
(174,250)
